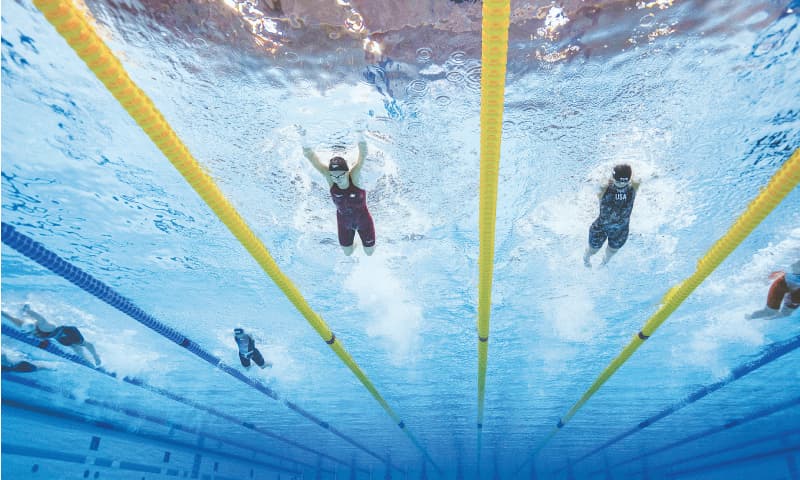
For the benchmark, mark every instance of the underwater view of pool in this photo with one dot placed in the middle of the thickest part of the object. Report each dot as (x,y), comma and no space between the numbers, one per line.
(231,318)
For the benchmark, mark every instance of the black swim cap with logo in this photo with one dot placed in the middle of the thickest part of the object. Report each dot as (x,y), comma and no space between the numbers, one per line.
(338,164)
(622,172)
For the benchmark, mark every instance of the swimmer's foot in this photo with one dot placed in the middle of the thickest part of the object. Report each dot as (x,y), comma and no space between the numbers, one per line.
(586,262)
(763,313)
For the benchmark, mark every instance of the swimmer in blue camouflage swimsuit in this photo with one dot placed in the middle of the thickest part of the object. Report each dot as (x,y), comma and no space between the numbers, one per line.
(247,349)
(616,204)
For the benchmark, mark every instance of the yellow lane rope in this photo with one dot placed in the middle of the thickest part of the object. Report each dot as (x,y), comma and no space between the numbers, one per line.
(75,29)
(784,180)
(494,49)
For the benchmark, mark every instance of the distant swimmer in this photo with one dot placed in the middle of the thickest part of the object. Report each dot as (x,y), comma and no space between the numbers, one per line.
(66,335)
(248,350)
(616,204)
(352,214)
(21,366)
(784,294)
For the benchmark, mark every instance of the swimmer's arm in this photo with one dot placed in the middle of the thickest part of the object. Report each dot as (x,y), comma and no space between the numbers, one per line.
(16,321)
(312,157)
(635,184)
(362,155)
(39,319)
(601,189)
(33,314)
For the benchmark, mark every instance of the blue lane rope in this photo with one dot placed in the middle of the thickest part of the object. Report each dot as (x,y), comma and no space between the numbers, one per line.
(324,425)
(730,448)
(670,465)
(49,347)
(772,352)
(764,412)
(749,458)
(44,257)
(135,414)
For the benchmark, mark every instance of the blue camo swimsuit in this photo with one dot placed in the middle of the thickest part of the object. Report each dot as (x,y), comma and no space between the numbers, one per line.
(615,215)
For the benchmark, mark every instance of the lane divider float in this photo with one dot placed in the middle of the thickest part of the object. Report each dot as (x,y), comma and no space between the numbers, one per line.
(73,26)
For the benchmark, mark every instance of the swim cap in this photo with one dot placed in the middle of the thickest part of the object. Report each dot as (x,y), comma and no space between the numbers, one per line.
(338,164)
(622,172)
(238,331)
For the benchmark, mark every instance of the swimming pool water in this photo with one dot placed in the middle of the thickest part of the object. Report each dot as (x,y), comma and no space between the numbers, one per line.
(701,98)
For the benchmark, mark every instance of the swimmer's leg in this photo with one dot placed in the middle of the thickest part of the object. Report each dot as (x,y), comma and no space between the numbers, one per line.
(597,236)
(245,361)
(346,235)
(259,359)
(90,347)
(80,350)
(789,305)
(366,231)
(610,252)
(616,239)
(587,254)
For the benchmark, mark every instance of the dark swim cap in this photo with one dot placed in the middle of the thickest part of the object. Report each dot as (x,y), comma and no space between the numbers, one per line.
(338,164)
(622,172)
(238,331)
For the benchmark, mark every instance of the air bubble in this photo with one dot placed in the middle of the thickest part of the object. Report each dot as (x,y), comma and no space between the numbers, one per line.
(424,55)
(415,128)
(458,57)
(417,88)
(455,77)
(474,78)
(443,100)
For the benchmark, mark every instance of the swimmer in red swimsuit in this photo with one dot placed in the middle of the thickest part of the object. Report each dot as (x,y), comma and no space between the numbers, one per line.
(352,214)
(784,294)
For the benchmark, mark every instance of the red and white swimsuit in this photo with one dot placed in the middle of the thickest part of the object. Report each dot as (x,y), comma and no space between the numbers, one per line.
(352,215)
(785,289)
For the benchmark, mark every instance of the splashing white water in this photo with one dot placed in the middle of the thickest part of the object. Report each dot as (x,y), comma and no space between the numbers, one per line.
(394,317)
